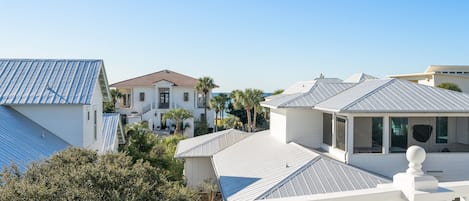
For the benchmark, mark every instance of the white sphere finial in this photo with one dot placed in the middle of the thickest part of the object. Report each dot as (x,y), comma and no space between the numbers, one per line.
(415,155)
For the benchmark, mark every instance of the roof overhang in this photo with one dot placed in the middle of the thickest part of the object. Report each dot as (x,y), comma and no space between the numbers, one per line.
(104,84)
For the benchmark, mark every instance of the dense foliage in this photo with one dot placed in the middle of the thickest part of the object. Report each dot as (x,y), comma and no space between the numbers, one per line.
(158,151)
(449,86)
(79,174)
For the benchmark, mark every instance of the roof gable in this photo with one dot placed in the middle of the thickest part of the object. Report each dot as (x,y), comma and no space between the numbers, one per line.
(395,95)
(23,141)
(50,81)
(149,79)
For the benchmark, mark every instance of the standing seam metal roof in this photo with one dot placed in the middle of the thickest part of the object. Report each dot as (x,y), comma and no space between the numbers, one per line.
(323,175)
(395,95)
(110,130)
(207,145)
(49,81)
(23,141)
(319,92)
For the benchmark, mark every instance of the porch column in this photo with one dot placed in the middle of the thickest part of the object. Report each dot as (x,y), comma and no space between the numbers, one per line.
(349,135)
(386,134)
(334,128)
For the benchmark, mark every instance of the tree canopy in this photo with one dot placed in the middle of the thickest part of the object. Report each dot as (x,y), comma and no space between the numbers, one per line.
(178,115)
(204,85)
(79,174)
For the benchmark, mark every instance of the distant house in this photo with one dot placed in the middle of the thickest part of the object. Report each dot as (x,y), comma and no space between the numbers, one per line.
(334,139)
(58,102)
(437,74)
(148,97)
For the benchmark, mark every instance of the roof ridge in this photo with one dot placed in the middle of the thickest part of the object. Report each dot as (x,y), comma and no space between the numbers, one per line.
(387,83)
(288,177)
(299,95)
(212,139)
(150,74)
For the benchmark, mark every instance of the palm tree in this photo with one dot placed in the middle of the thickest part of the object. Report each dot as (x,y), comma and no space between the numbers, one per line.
(245,99)
(258,96)
(218,104)
(204,85)
(115,93)
(225,98)
(177,115)
(232,122)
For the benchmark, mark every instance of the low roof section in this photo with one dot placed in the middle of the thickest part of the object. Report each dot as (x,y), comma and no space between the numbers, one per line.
(209,144)
(260,167)
(111,129)
(307,94)
(149,79)
(23,141)
(51,81)
(396,96)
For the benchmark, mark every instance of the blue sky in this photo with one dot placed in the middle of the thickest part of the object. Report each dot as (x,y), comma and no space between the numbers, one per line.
(266,44)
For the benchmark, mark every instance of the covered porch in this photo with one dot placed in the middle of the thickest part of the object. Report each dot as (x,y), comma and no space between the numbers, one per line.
(377,141)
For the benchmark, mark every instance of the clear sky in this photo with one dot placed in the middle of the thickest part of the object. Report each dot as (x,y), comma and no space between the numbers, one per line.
(267,44)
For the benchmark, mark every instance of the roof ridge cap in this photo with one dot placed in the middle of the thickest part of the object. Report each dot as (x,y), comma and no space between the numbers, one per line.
(299,95)
(225,132)
(288,177)
(388,82)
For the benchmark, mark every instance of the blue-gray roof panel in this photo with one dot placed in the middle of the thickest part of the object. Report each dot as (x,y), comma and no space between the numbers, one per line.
(110,131)
(23,141)
(48,81)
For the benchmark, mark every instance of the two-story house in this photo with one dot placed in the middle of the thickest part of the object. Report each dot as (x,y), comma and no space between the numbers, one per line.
(438,74)
(330,137)
(148,97)
(49,104)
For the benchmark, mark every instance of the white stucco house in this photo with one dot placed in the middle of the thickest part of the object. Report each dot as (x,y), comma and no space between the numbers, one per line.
(148,97)
(346,140)
(60,103)
(437,74)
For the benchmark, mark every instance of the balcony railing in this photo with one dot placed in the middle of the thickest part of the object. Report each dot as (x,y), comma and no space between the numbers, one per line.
(163,105)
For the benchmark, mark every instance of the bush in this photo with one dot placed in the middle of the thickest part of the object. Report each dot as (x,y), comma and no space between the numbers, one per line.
(78,174)
(450,86)
(200,128)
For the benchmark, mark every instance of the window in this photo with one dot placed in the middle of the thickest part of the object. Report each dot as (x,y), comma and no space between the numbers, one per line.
(186,96)
(399,127)
(377,133)
(164,98)
(142,96)
(327,129)
(442,130)
(88,115)
(340,133)
(368,135)
(200,100)
(95,125)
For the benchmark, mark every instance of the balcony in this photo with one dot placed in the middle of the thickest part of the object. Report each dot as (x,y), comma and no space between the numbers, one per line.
(163,106)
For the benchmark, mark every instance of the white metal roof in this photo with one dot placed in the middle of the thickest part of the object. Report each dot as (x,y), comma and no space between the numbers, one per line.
(359,77)
(111,129)
(321,90)
(209,144)
(324,175)
(396,96)
(50,81)
(258,166)
(23,141)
